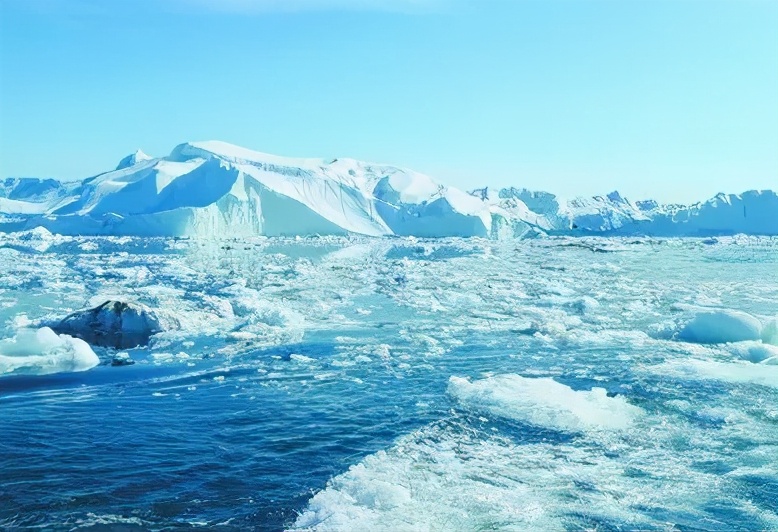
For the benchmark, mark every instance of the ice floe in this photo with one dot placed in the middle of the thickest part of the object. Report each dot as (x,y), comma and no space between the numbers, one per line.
(738,372)
(544,402)
(720,326)
(43,352)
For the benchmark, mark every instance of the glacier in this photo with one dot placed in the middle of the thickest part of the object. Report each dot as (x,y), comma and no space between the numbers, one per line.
(216,189)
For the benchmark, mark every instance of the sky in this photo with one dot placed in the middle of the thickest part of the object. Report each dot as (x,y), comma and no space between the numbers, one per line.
(675,100)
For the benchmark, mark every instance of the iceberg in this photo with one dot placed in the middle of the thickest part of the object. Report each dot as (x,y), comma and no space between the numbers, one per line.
(720,326)
(216,189)
(753,212)
(43,352)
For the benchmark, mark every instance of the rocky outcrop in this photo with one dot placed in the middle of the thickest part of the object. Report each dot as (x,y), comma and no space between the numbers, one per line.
(115,324)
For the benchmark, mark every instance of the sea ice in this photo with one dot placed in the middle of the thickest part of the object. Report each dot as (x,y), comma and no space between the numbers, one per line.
(740,372)
(544,402)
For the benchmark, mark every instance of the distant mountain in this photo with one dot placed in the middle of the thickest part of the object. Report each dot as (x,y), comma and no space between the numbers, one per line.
(218,189)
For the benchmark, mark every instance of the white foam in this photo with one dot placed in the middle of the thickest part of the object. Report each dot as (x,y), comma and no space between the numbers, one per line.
(43,352)
(545,403)
(450,477)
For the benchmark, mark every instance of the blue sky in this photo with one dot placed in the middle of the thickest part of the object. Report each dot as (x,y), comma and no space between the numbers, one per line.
(675,100)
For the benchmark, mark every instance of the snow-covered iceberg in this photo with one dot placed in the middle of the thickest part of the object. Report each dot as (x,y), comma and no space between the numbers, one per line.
(217,189)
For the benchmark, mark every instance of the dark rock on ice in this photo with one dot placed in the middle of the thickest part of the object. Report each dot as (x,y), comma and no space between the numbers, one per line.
(115,324)
(122,359)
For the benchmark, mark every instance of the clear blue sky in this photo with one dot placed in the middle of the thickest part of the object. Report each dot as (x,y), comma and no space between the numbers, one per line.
(675,100)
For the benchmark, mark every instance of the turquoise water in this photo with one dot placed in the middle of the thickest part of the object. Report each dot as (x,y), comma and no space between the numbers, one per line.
(309,385)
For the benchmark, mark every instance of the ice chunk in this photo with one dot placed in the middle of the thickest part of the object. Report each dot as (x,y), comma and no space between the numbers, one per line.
(754,351)
(770,332)
(544,402)
(584,305)
(720,326)
(43,352)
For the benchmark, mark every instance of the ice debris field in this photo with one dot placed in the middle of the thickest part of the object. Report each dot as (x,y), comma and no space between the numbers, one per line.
(403,384)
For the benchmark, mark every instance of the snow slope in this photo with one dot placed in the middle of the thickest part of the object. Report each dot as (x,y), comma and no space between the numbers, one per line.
(218,189)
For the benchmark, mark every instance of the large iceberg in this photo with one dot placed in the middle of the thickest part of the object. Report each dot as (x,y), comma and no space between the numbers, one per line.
(753,212)
(217,189)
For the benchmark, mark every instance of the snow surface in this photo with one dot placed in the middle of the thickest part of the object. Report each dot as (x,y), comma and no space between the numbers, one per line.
(217,189)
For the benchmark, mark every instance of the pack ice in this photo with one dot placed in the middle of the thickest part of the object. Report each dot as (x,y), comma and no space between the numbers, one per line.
(217,189)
